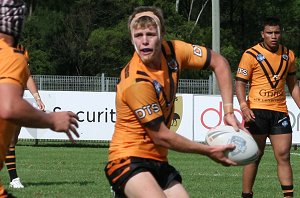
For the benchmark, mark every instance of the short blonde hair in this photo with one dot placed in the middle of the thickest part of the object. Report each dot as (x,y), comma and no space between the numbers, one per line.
(145,21)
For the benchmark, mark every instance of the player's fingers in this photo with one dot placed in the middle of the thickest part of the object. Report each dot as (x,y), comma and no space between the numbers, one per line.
(73,129)
(74,122)
(70,137)
(228,162)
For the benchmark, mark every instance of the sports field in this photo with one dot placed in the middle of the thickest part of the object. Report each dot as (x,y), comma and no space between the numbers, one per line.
(64,170)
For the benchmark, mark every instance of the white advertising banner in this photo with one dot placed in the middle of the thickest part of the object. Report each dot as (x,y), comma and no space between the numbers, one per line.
(208,113)
(97,114)
(194,114)
(96,111)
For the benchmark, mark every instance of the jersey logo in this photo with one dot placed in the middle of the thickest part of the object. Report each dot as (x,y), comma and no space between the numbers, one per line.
(260,57)
(147,110)
(157,87)
(285,57)
(242,71)
(197,50)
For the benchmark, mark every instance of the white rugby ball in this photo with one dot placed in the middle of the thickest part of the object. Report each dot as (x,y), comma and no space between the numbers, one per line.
(246,149)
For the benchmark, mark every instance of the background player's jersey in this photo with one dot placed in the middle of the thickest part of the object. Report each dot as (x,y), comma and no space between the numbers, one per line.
(267,72)
(13,70)
(146,96)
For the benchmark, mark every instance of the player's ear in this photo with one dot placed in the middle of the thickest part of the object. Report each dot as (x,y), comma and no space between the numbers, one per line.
(262,34)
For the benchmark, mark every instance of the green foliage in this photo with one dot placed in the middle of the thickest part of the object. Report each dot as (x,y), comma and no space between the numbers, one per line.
(110,57)
(89,37)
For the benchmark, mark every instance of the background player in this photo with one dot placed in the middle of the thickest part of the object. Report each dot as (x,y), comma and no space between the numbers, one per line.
(268,66)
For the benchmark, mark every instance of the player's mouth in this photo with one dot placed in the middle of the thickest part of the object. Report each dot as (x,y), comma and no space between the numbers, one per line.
(146,51)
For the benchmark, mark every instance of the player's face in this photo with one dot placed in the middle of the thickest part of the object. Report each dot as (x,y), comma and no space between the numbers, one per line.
(147,44)
(271,36)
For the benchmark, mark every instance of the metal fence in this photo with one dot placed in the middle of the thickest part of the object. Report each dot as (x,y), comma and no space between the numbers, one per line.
(108,84)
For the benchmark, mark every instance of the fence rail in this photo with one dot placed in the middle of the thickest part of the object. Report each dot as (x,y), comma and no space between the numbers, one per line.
(108,84)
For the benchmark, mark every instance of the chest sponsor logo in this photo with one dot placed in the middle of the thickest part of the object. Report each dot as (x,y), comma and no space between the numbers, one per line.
(147,110)
(270,93)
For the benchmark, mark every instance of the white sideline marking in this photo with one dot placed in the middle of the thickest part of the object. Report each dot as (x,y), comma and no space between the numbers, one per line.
(295,153)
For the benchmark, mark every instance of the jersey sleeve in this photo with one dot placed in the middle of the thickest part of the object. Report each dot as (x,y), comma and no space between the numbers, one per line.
(142,100)
(192,56)
(292,69)
(244,70)
(14,70)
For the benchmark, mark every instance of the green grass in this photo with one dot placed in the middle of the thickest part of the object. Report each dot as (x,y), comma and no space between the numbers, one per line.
(63,170)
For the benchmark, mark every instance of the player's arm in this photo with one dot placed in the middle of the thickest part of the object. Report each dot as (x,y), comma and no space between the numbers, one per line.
(15,109)
(164,137)
(293,87)
(222,70)
(240,87)
(152,120)
(31,86)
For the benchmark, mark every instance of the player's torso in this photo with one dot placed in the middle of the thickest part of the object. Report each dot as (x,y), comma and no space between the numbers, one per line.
(269,73)
(129,131)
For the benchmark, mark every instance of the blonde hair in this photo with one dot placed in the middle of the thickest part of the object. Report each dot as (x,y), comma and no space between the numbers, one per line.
(145,16)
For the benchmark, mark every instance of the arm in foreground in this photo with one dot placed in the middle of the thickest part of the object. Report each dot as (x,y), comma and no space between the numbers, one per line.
(15,109)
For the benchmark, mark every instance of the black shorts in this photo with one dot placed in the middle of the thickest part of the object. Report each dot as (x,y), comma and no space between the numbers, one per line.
(118,172)
(269,122)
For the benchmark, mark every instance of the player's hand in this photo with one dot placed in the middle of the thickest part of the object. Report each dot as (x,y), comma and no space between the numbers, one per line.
(230,119)
(65,122)
(40,104)
(248,115)
(217,154)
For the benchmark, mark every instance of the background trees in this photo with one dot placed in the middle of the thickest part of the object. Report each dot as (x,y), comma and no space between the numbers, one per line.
(90,37)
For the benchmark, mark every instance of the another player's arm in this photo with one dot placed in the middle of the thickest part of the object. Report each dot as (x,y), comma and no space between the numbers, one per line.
(293,87)
(31,86)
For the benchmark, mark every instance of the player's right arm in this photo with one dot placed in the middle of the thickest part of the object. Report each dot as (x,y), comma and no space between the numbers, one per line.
(14,108)
(163,136)
(152,120)
(242,77)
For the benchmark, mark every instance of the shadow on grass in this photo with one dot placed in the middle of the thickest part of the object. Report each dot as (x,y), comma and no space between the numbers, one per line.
(80,183)
(63,143)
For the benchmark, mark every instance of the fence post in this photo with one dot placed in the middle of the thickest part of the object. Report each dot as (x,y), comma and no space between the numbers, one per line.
(102,82)
(41,83)
(210,84)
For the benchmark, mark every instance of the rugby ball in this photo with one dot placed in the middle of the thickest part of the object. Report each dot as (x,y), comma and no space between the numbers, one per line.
(246,149)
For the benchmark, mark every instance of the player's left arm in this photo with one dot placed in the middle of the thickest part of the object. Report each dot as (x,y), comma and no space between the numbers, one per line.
(222,70)
(293,87)
(32,87)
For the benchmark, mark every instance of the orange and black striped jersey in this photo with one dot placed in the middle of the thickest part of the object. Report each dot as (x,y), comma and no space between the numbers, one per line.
(146,96)
(23,50)
(13,70)
(267,73)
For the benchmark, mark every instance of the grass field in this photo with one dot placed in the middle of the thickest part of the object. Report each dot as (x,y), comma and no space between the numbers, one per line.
(62,170)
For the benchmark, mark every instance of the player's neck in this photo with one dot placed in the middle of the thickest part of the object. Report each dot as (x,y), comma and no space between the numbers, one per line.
(273,50)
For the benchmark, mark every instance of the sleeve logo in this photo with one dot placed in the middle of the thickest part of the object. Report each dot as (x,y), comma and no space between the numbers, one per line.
(242,71)
(147,110)
(197,50)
